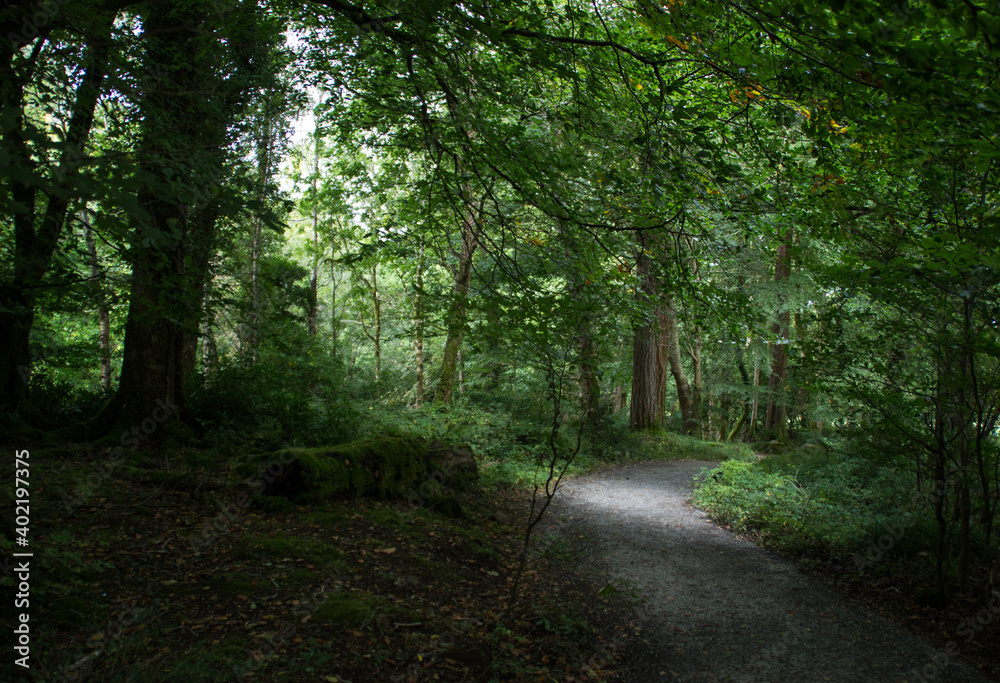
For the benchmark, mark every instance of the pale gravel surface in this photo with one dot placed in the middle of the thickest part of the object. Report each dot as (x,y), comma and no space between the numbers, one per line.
(717,607)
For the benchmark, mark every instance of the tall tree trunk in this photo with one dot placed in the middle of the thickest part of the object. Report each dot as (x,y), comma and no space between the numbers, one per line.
(671,330)
(252,338)
(33,250)
(374,333)
(314,278)
(183,134)
(590,386)
(418,325)
(209,349)
(645,411)
(335,279)
(776,418)
(694,353)
(103,315)
(459,304)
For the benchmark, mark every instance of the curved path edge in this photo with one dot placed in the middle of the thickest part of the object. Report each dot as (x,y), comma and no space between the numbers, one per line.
(717,607)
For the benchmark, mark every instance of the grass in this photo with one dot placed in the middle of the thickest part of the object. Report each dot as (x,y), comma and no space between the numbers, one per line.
(812,501)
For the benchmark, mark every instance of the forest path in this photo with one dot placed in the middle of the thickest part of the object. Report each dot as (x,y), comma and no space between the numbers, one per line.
(717,607)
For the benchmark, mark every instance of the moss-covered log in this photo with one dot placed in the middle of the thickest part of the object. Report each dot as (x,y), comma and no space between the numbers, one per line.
(385,467)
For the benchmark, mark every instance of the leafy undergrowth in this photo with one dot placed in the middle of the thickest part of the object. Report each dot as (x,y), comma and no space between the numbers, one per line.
(166,572)
(856,526)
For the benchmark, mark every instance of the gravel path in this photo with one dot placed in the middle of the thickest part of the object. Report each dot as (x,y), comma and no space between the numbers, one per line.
(719,608)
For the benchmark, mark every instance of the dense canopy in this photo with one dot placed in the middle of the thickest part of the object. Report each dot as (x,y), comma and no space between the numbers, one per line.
(253,223)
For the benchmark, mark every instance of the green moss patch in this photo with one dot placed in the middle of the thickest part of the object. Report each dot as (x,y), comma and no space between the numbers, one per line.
(352,610)
(293,547)
(386,467)
(324,519)
(345,610)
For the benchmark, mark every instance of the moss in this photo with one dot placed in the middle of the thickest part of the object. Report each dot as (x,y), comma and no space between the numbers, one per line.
(385,517)
(344,610)
(302,574)
(325,519)
(449,507)
(351,610)
(385,467)
(293,547)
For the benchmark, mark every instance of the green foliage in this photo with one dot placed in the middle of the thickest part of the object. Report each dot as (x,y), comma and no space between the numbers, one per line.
(384,467)
(808,503)
(294,394)
(58,402)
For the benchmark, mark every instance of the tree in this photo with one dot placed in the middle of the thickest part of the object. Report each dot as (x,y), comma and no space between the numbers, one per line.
(37,231)
(194,86)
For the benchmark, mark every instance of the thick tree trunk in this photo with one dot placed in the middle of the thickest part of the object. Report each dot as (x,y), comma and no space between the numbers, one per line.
(590,386)
(172,238)
(457,310)
(645,411)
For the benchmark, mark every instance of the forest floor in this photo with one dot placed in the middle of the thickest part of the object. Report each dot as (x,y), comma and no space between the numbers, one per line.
(716,607)
(160,569)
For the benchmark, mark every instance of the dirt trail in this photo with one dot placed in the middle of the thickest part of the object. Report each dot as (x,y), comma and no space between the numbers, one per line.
(718,608)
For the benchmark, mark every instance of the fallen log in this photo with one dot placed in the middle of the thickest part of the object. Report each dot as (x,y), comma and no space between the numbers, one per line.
(384,467)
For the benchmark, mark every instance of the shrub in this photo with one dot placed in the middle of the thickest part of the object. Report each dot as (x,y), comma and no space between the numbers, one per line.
(283,398)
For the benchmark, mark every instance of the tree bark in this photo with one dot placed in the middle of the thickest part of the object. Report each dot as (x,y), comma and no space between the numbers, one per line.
(375,333)
(459,305)
(673,347)
(183,134)
(418,326)
(314,279)
(644,412)
(590,386)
